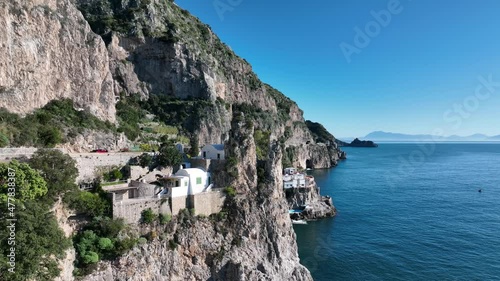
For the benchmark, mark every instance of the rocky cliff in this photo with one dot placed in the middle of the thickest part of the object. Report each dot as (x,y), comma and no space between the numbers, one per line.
(48,51)
(157,48)
(93,51)
(242,244)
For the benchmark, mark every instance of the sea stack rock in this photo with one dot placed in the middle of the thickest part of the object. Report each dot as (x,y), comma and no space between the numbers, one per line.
(359,143)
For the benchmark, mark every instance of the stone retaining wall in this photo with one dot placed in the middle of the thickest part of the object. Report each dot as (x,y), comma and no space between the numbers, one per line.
(131,210)
(208,203)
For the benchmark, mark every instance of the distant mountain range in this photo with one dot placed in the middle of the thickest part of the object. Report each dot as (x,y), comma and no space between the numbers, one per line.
(386,136)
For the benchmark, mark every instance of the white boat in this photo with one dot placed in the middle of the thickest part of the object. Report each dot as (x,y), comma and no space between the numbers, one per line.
(299,222)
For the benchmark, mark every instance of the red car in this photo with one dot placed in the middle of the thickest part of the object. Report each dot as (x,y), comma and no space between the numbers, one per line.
(100,150)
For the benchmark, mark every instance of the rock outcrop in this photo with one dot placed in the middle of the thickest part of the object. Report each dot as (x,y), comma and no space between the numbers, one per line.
(47,52)
(362,143)
(309,200)
(169,52)
(255,241)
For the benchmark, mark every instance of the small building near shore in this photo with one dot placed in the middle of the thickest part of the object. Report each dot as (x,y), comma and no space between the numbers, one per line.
(213,151)
(293,179)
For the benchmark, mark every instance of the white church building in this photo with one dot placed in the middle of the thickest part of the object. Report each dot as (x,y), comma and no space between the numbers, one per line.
(186,182)
(213,151)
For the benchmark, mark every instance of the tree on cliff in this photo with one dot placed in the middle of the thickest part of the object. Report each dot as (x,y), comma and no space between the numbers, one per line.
(57,168)
(169,156)
(38,239)
(27,182)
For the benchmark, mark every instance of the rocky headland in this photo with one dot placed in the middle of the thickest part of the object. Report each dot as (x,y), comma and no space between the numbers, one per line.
(116,59)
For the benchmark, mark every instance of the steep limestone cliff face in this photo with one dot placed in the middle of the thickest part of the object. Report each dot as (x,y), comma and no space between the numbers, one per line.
(156,47)
(48,51)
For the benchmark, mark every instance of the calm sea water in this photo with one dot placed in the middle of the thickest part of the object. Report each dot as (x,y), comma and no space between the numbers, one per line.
(408,212)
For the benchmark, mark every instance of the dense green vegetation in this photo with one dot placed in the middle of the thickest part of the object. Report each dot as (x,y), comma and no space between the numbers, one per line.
(89,203)
(185,114)
(58,169)
(169,156)
(261,119)
(130,114)
(262,139)
(28,183)
(54,123)
(39,241)
(320,133)
(101,239)
(289,156)
(182,117)
(145,160)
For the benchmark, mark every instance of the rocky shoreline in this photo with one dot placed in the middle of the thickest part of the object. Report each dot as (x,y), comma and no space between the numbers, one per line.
(310,204)
(323,208)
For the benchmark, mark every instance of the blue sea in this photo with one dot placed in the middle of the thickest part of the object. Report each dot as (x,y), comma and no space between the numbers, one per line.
(408,212)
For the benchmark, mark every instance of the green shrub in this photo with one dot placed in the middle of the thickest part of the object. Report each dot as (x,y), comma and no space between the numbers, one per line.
(124,245)
(165,218)
(105,243)
(89,203)
(90,257)
(230,191)
(152,235)
(147,216)
(106,226)
(49,136)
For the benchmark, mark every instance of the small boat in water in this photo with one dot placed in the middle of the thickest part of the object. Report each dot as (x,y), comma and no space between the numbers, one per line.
(299,222)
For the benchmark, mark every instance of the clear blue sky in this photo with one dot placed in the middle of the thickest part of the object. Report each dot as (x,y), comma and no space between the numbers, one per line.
(407,79)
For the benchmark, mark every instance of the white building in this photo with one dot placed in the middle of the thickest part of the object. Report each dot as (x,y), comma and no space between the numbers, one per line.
(294,179)
(185,182)
(213,151)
